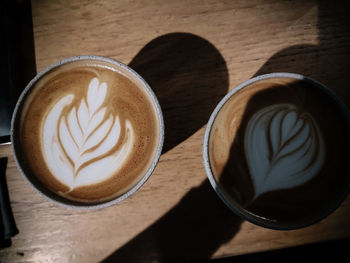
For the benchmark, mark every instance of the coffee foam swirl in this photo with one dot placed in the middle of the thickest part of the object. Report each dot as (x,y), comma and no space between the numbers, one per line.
(283,148)
(81,144)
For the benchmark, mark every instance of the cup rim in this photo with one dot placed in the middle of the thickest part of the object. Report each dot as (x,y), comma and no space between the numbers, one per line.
(206,158)
(50,195)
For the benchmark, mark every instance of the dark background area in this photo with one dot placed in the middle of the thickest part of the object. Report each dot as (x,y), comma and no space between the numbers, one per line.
(17,66)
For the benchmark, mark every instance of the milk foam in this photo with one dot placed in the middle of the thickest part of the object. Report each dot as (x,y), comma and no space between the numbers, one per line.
(283,148)
(78,146)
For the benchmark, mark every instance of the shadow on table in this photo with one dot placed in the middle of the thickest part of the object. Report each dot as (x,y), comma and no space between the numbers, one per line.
(200,223)
(329,61)
(193,229)
(189,77)
(326,250)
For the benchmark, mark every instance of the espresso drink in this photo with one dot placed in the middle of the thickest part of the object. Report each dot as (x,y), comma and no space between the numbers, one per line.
(279,151)
(87,131)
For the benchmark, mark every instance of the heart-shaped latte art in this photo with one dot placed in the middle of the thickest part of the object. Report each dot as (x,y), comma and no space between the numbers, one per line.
(283,148)
(79,146)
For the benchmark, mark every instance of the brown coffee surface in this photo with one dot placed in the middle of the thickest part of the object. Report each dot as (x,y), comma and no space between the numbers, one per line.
(125,99)
(292,206)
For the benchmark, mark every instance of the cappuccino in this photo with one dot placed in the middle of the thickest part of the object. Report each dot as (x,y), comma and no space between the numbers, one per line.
(278,151)
(88,130)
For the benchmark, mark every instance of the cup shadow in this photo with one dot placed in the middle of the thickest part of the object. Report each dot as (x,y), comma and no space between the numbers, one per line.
(327,62)
(189,77)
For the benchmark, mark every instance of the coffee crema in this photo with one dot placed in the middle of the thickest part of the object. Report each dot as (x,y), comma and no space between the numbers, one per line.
(88,132)
(278,150)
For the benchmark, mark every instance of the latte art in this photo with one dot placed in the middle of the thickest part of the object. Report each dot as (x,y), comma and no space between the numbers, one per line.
(78,146)
(283,149)
(95,127)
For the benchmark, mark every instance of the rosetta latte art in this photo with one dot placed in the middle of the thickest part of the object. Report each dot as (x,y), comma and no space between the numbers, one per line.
(80,147)
(283,149)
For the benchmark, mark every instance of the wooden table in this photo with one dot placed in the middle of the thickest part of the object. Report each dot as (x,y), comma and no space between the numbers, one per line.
(191,53)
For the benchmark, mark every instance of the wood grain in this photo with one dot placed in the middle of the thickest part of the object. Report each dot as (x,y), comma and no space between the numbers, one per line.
(176,215)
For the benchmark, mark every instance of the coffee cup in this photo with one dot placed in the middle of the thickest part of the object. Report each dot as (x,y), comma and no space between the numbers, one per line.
(87,132)
(276,151)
